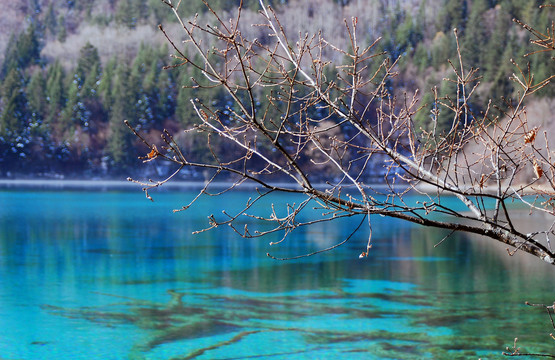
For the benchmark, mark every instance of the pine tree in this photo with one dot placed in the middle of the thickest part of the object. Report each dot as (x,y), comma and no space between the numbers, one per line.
(135,86)
(105,84)
(443,47)
(127,14)
(62,30)
(502,86)
(187,91)
(50,21)
(55,91)
(120,139)
(166,101)
(141,8)
(160,14)
(15,110)
(22,51)
(475,36)
(89,61)
(82,99)
(29,47)
(71,113)
(184,111)
(423,119)
(89,90)
(447,97)
(36,94)
(39,130)
(408,34)
(453,15)
(496,43)
(422,57)
(14,120)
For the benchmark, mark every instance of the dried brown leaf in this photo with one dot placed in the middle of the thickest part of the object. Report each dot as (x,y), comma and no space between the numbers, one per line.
(530,136)
(537,169)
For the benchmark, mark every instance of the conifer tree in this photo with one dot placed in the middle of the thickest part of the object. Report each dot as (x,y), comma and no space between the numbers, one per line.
(62,31)
(14,119)
(453,15)
(441,49)
(184,111)
(475,36)
(137,80)
(421,57)
(141,9)
(71,113)
(39,129)
(127,14)
(22,51)
(448,96)
(55,91)
(89,62)
(502,86)
(15,109)
(408,35)
(105,84)
(165,105)
(160,14)
(89,89)
(82,98)
(36,93)
(120,138)
(496,43)
(423,119)
(50,21)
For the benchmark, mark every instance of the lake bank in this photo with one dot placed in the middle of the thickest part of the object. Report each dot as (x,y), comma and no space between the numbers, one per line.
(123,184)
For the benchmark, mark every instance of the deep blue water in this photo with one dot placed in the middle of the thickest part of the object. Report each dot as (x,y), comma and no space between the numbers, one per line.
(111,275)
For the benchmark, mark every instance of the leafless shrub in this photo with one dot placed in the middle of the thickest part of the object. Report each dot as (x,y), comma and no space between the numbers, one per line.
(108,40)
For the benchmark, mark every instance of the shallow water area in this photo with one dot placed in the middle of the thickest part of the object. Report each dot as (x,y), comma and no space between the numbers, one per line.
(110,275)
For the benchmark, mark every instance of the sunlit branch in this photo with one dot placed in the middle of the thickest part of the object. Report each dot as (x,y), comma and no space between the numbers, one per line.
(302,123)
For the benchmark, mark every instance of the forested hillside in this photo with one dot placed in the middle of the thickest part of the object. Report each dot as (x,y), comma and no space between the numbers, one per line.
(71,71)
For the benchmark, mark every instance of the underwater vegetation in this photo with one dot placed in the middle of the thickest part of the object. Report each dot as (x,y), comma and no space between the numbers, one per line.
(394,323)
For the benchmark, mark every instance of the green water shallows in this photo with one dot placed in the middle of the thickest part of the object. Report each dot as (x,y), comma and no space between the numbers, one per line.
(109,275)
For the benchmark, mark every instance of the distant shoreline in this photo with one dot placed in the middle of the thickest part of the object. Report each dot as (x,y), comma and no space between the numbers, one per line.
(113,184)
(123,184)
(100,184)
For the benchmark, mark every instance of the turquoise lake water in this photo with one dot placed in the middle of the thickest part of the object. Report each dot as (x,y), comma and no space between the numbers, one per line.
(110,275)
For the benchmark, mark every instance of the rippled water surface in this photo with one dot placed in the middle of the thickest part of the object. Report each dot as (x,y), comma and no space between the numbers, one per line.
(110,275)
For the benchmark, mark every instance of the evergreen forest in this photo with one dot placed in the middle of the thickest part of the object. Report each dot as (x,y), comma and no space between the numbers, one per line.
(72,70)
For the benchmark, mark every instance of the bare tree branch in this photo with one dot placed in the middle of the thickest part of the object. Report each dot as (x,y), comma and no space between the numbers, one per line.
(340,136)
